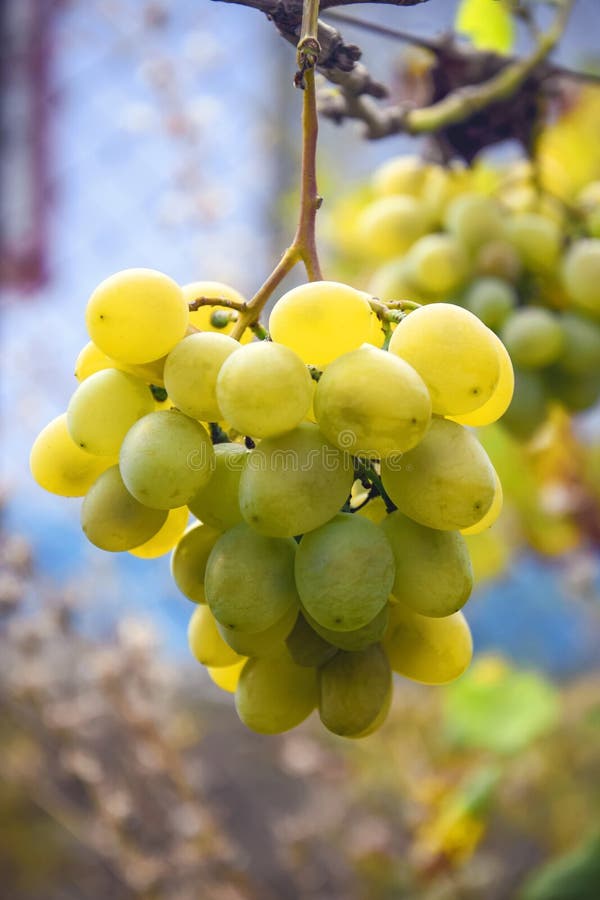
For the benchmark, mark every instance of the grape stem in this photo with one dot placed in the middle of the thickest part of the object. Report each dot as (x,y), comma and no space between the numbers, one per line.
(365,471)
(225,302)
(304,246)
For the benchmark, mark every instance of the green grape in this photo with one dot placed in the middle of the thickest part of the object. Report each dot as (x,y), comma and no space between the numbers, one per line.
(575,392)
(344,572)
(374,510)
(400,175)
(389,226)
(191,372)
(114,520)
(453,352)
(529,405)
(137,315)
(491,300)
(433,570)
(372,403)
(166,458)
(474,220)
(537,240)
(264,389)
(437,265)
(103,409)
(392,282)
(321,320)
(60,466)
(167,536)
(202,318)
(274,695)
(227,677)
(205,641)
(490,516)
(432,651)
(217,503)
(306,646)
(294,483)
(581,274)
(581,344)
(498,259)
(250,579)
(533,337)
(358,639)
(446,482)
(353,688)
(500,400)
(189,558)
(270,642)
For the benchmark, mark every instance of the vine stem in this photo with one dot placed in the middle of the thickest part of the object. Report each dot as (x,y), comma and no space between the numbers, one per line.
(304,245)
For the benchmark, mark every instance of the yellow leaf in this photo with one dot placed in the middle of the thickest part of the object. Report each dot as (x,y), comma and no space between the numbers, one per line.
(487,23)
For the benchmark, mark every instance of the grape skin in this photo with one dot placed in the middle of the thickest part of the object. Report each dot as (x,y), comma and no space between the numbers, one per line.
(359,638)
(114,520)
(217,502)
(227,677)
(59,466)
(533,338)
(205,641)
(429,650)
(274,695)
(269,642)
(166,538)
(306,646)
(353,689)
(191,372)
(390,225)
(500,400)
(189,558)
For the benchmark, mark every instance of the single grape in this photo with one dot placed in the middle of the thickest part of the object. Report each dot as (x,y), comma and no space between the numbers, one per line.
(166,538)
(60,466)
(498,259)
(202,318)
(437,265)
(166,458)
(446,482)
(137,315)
(390,225)
(206,643)
(492,300)
(392,282)
(270,642)
(474,220)
(581,344)
(264,389)
(453,352)
(344,572)
(576,392)
(400,175)
(250,579)
(306,646)
(490,517)
(359,638)
(372,403)
(581,274)
(91,360)
(533,337)
(189,558)
(191,372)
(294,483)
(433,570)
(321,320)
(529,406)
(114,520)
(500,400)
(353,688)
(537,240)
(274,695)
(227,677)
(103,409)
(432,651)
(217,503)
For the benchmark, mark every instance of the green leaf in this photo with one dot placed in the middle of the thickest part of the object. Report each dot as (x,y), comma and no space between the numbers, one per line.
(487,23)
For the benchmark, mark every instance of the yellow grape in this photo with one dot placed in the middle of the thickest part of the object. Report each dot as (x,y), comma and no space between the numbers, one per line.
(166,538)
(321,320)
(114,520)
(90,360)
(474,220)
(189,558)
(227,677)
(137,315)
(191,372)
(453,352)
(492,513)
(206,643)
(60,466)
(537,240)
(432,651)
(437,265)
(389,226)
(274,695)
(500,400)
(581,275)
(201,318)
(400,175)
(374,510)
(264,389)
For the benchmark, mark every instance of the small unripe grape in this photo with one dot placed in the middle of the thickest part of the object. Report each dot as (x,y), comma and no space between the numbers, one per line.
(191,372)
(432,651)
(533,337)
(581,274)
(474,220)
(437,265)
(264,389)
(114,520)
(390,225)
(491,300)
(321,320)
(166,458)
(137,315)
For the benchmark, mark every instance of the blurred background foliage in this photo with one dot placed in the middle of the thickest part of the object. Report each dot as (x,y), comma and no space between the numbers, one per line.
(138,137)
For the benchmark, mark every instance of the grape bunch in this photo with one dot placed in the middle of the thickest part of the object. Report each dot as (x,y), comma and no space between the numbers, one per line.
(527,264)
(331,482)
